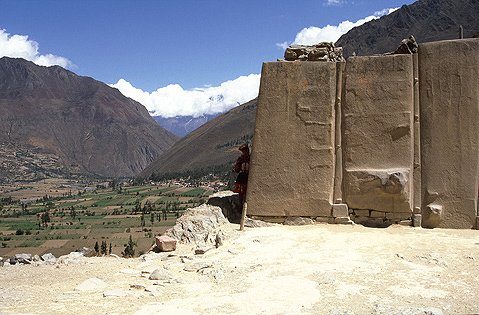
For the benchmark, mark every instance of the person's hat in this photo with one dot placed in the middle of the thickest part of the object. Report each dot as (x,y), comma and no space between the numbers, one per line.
(243,147)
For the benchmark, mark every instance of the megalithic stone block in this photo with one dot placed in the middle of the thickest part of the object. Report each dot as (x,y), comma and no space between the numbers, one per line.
(293,153)
(449,103)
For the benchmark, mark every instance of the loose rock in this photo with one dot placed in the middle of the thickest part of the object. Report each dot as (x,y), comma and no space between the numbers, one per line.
(165,243)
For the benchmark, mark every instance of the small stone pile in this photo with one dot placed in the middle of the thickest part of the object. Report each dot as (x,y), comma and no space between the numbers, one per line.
(324,51)
(408,46)
(48,258)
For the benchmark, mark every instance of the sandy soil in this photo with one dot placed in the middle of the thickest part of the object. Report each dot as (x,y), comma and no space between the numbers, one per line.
(318,269)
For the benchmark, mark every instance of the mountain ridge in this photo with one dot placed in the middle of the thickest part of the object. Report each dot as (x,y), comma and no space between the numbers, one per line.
(427,20)
(213,145)
(91,127)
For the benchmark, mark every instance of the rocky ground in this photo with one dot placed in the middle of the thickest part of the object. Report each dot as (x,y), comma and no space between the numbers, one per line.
(313,269)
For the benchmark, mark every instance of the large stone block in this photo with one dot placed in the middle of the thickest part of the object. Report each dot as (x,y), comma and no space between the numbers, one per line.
(378,133)
(449,101)
(293,155)
(340,210)
(381,190)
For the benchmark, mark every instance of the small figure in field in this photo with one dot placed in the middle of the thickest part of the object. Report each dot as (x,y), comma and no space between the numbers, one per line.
(242,168)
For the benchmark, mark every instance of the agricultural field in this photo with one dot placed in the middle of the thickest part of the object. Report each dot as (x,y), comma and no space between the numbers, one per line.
(55,218)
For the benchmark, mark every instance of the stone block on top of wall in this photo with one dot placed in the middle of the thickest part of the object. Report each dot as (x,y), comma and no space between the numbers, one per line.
(380,190)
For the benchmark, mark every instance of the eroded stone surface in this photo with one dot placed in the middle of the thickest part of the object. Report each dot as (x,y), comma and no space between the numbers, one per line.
(391,133)
(449,100)
(292,162)
(381,190)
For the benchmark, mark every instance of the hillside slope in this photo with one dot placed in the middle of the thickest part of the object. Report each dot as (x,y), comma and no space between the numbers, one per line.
(86,125)
(212,145)
(427,20)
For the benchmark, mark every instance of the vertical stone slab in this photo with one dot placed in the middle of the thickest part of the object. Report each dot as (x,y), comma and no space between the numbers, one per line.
(378,132)
(449,97)
(417,192)
(338,173)
(292,160)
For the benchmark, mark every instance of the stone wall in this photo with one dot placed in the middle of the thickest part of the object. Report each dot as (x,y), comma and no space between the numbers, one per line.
(378,134)
(449,99)
(293,157)
(391,137)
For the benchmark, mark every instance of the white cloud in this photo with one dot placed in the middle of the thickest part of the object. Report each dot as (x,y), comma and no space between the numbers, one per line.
(19,46)
(331,33)
(333,2)
(173,100)
(282,45)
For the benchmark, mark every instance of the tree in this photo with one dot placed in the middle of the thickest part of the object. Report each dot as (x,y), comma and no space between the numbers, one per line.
(137,205)
(103,248)
(45,217)
(97,248)
(73,213)
(129,248)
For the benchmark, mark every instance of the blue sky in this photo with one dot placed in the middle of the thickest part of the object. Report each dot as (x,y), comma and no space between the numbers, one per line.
(187,51)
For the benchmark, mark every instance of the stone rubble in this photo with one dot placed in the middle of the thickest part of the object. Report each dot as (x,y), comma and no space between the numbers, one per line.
(407,46)
(324,51)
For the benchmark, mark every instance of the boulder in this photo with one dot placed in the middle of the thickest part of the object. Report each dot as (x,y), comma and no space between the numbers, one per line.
(49,258)
(253,223)
(165,243)
(432,216)
(229,203)
(198,225)
(22,258)
(87,252)
(72,258)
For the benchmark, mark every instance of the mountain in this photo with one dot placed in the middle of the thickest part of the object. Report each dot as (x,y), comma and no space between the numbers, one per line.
(211,146)
(427,20)
(74,123)
(183,125)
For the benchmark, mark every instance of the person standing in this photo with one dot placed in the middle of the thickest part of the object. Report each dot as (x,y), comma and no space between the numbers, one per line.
(242,168)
